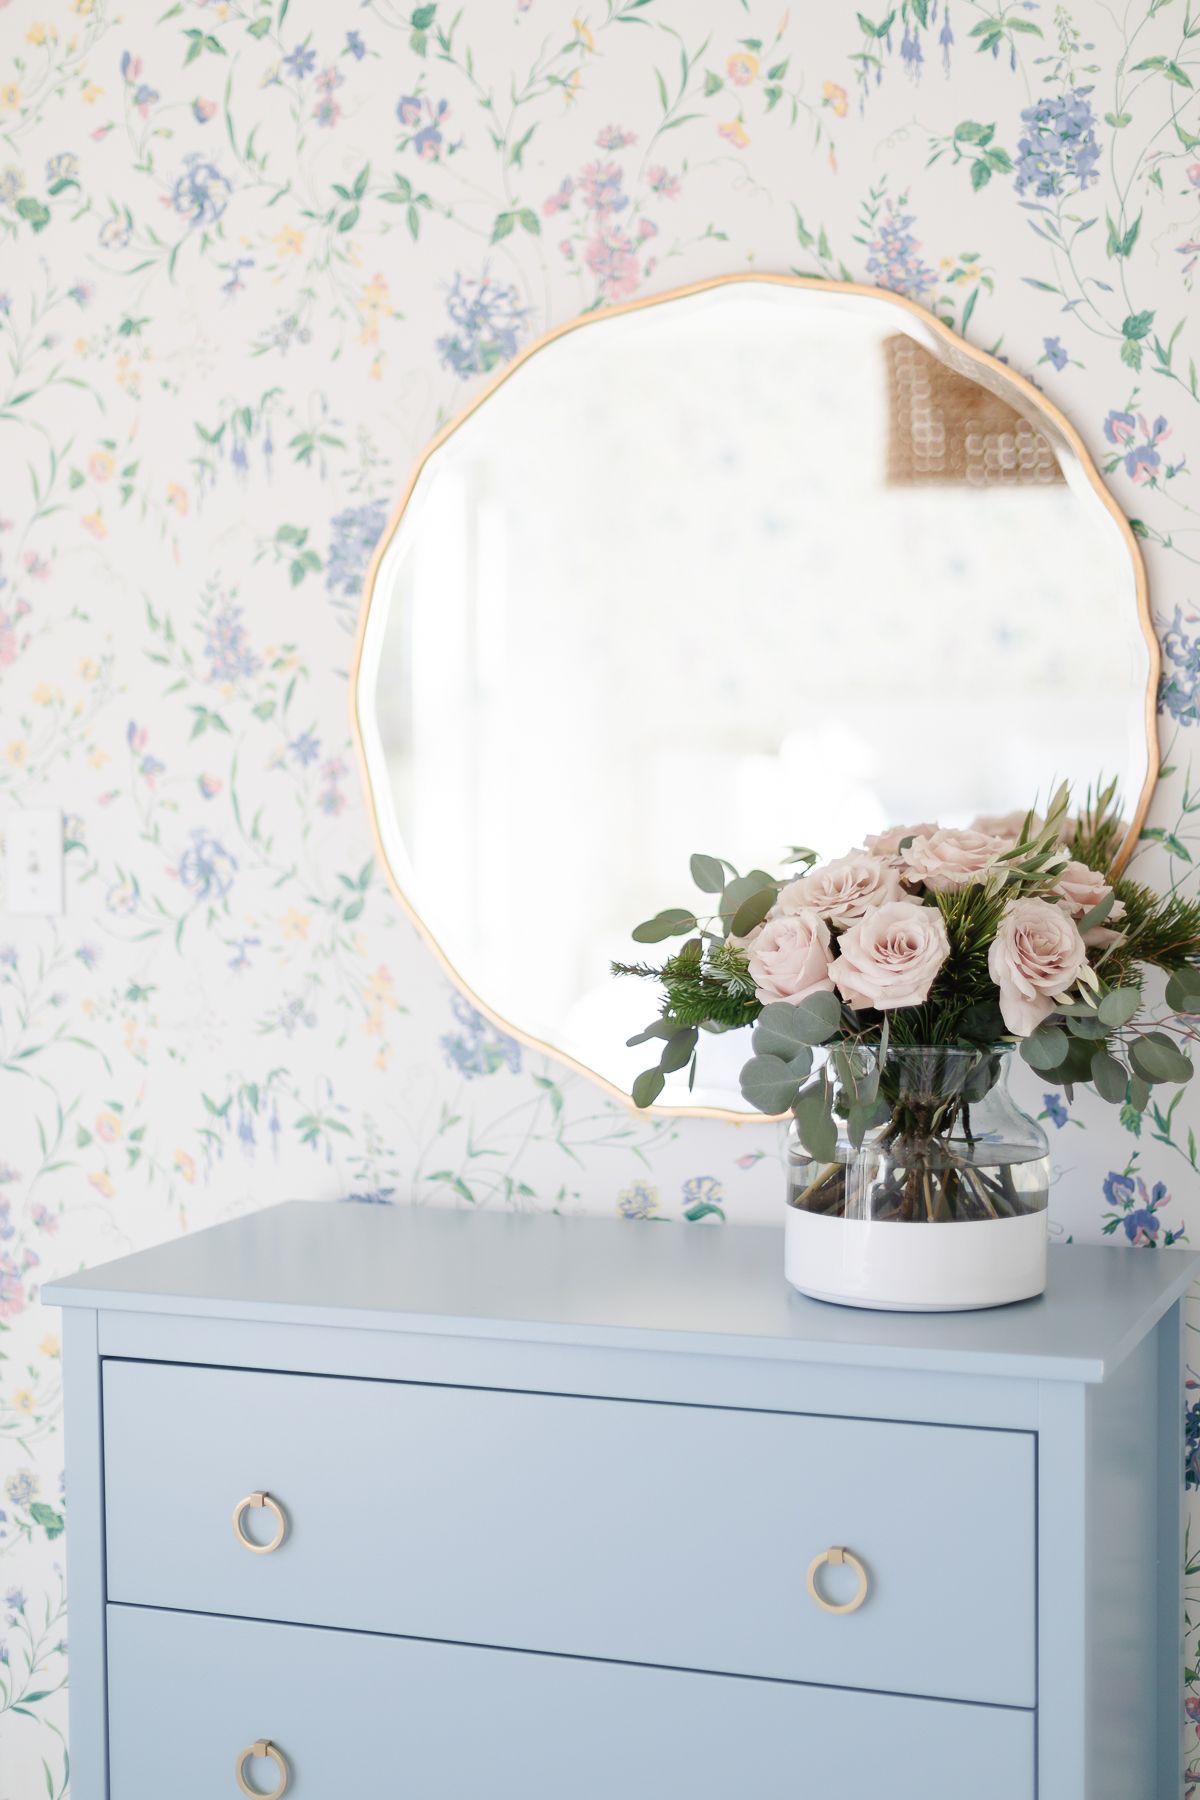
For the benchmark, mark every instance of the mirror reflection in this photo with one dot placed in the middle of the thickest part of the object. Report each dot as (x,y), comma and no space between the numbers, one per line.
(703,575)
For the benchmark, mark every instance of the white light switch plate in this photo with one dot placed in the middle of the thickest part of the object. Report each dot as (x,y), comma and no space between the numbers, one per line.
(34,855)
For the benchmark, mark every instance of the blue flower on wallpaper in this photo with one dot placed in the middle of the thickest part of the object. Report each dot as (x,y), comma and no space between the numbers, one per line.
(1054,352)
(1191,1448)
(201,193)
(1055,1110)
(227,647)
(1179,684)
(353,535)
(488,321)
(894,258)
(1058,153)
(478,1047)
(206,868)
(702,1197)
(1136,1211)
(301,61)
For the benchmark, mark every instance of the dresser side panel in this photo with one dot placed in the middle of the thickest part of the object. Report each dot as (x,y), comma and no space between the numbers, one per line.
(1169,1543)
(84,1427)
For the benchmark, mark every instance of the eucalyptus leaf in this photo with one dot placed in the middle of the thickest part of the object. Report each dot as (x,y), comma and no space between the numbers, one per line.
(982,1022)
(769,1084)
(753,910)
(863,1116)
(817,1017)
(742,888)
(1183,991)
(679,1050)
(1119,1006)
(1109,1078)
(1087,1025)
(1139,1093)
(676,921)
(661,1028)
(1156,1058)
(708,873)
(648,1086)
(814,1121)
(1045,1048)
(780,1033)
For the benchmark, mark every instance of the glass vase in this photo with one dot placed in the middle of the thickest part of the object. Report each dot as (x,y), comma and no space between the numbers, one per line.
(875,1225)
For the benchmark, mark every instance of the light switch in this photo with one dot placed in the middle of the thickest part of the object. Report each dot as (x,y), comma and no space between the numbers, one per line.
(34,855)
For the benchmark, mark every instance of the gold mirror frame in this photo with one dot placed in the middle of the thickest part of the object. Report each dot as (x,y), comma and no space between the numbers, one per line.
(956,354)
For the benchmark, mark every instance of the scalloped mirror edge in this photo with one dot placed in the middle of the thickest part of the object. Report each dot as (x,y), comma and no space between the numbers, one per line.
(950,349)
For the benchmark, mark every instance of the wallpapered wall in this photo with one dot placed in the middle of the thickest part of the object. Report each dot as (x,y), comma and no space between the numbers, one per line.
(252,255)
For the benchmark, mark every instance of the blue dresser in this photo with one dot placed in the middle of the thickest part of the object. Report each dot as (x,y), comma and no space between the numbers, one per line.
(442,1505)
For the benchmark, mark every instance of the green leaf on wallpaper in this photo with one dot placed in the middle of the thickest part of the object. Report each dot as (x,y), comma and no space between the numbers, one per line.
(423,17)
(981,174)
(1155,834)
(971,132)
(259,28)
(1118,121)
(920,11)
(34,213)
(1120,243)
(1137,325)
(517,152)
(712,84)
(802,232)
(877,31)
(1186,138)
(504,226)
(530,221)
(50,1521)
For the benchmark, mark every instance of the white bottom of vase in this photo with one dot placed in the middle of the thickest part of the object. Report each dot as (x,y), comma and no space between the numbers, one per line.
(892,1267)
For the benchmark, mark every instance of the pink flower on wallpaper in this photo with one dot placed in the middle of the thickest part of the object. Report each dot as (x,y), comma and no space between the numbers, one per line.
(615,137)
(614,264)
(560,199)
(601,185)
(664,183)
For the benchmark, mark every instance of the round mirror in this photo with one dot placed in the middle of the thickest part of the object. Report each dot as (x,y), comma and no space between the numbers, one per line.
(764,563)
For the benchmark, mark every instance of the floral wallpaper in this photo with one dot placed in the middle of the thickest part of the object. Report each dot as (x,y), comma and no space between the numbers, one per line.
(252,253)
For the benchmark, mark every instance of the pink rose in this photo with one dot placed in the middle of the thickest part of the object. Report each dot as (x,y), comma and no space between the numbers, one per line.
(790,957)
(887,843)
(890,958)
(1036,956)
(1006,825)
(952,859)
(843,890)
(1080,889)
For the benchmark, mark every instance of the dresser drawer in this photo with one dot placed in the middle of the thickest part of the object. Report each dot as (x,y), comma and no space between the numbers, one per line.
(354,1714)
(672,1535)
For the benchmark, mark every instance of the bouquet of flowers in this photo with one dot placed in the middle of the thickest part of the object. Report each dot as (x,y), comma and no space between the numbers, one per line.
(1013,932)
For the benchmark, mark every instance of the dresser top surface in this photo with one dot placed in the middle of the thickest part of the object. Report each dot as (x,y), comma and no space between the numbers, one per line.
(711,1290)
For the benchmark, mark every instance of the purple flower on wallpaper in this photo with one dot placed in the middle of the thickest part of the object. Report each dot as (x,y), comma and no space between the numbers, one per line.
(207,868)
(353,535)
(201,193)
(355,45)
(478,1047)
(1179,683)
(408,110)
(1141,459)
(1054,353)
(1058,153)
(1136,1209)
(615,137)
(894,255)
(911,54)
(487,320)
(305,749)
(946,40)
(227,648)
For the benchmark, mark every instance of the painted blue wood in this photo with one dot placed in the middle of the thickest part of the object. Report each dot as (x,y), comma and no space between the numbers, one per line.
(588,1437)
(675,1535)
(588,1281)
(373,1716)
(83,1424)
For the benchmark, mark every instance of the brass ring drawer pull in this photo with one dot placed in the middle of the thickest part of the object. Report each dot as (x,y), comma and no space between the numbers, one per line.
(264,1747)
(837,1553)
(272,1506)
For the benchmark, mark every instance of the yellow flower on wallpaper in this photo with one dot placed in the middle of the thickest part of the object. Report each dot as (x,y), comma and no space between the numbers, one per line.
(735,133)
(102,1184)
(102,465)
(94,522)
(108,1127)
(91,93)
(43,694)
(23,1401)
(584,34)
(741,68)
(39,34)
(177,497)
(17,753)
(50,1346)
(10,96)
(289,240)
(836,98)
(185,1166)
(295,925)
